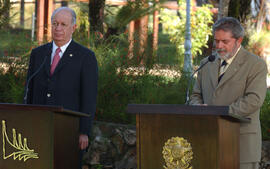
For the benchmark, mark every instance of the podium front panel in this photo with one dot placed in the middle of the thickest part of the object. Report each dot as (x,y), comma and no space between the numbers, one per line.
(204,133)
(38,139)
(66,141)
(26,139)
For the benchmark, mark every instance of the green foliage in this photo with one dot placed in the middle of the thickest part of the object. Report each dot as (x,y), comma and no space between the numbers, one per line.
(166,53)
(136,9)
(239,9)
(15,48)
(174,25)
(97,166)
(122,82)
(4,13)
(265,117)
(259,42)
(15,43)
(11,87)
(82,11)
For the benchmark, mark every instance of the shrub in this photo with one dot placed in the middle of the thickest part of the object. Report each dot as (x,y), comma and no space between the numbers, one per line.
(200,22)
(265,117)
(259,43)
(12,85)
(14,51)
(121,81)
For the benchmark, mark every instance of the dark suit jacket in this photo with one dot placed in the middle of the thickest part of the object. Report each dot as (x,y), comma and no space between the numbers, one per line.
(73,84)
(243,89)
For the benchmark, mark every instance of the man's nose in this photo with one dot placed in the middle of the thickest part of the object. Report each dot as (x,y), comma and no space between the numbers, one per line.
(219,45)
(58,27)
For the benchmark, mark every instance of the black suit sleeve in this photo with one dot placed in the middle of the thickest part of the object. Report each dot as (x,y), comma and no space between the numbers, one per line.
(88,91)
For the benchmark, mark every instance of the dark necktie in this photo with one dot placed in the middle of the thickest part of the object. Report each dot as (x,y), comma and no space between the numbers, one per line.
(222,68)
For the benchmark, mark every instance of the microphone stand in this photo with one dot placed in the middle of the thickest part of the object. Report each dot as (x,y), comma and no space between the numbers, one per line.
(211,58)
(30,78)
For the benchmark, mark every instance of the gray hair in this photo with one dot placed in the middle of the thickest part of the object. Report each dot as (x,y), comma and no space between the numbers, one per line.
(229,24)
(72,12)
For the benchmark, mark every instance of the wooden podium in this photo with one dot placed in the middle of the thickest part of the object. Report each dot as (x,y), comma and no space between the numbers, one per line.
(211,131)
(38,137)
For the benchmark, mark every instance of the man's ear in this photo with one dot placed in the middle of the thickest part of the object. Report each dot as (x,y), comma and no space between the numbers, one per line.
(239,41)
(73,28)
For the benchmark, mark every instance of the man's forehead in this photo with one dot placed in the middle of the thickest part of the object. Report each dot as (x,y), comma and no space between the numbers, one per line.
(63,12)
(223,34)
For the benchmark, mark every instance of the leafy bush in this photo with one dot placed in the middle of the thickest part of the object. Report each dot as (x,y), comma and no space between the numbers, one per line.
(122,81)
(265,117)
(259,43)
(174,25)
(15,48)
(12,85)
(4,10)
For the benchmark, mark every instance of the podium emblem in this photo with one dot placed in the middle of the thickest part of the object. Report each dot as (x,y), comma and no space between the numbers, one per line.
(177,153)
(21,150)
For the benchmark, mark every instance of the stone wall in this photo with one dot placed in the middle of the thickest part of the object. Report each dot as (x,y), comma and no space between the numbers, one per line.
(113,146)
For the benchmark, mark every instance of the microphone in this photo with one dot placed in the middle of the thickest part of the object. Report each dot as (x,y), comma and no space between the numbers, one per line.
(211,58)
(30,78)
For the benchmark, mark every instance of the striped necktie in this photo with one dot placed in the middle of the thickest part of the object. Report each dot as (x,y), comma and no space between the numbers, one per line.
(222,70)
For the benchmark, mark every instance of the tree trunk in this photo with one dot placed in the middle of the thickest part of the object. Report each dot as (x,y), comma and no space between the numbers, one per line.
(22,14)
(96,15)
(223,8)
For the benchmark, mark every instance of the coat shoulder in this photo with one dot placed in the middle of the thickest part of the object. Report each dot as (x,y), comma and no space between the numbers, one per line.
(252,58)
(42,47)
(82,49)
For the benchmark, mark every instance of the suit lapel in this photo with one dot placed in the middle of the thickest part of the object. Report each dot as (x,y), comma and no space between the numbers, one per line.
(233,68)
(66,58)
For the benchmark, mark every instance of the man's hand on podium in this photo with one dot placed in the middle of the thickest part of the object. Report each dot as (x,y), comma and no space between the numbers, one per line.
(83,141)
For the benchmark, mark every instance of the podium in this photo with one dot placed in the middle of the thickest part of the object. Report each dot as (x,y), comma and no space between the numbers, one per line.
(211,131)
(38,137)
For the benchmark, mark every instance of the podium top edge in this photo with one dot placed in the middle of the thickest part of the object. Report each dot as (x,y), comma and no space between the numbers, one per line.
(57,109)
(183,110)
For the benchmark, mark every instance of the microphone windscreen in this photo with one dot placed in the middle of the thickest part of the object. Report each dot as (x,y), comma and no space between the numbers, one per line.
(211,58)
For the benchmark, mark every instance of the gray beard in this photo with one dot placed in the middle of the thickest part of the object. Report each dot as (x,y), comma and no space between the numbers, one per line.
(225,57)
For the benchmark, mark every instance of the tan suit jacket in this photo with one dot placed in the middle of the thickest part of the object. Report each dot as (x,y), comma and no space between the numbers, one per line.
(243,89)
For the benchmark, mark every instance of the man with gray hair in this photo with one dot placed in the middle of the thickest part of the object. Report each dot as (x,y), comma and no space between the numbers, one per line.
(237,78)
(64,73)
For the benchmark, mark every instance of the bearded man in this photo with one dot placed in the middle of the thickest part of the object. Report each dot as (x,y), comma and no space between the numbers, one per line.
(237,78)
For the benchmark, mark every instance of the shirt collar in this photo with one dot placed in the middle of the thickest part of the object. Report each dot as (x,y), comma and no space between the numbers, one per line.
(63,48)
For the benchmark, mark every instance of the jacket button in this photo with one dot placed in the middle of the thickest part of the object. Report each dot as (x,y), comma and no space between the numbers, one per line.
(49,95)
